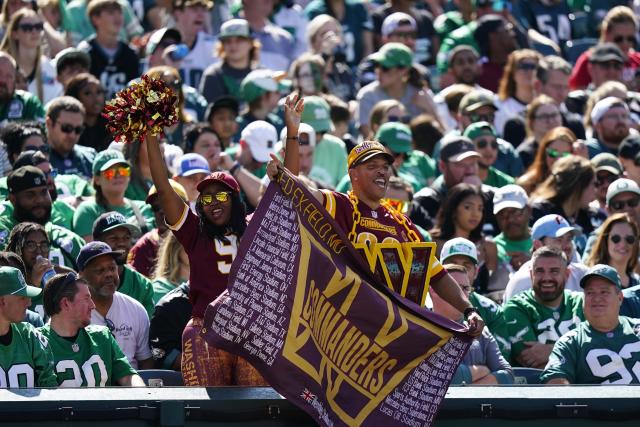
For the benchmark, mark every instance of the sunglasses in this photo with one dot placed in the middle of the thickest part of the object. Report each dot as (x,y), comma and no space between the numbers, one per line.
(619,205)
(69,279)
(69,128)
(484,143)
(402,119)
(44,149)
(611,64)
(110,325)
(482,117)
(616,238)
(221,196)
(554,154)
(110,174)
(27,28)
(605,179)
(527,66)
(620,39)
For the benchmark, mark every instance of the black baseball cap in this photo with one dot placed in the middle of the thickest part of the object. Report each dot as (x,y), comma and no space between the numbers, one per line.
(25,178)
(629,148)
(605,52)
(228,102)
(110,221)
(30,158)
(93,250)
(456,148)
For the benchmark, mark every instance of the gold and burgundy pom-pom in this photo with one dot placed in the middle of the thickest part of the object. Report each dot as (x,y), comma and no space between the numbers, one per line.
(145,107)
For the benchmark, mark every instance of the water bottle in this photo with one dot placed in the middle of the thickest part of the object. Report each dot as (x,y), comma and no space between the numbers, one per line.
(47,274)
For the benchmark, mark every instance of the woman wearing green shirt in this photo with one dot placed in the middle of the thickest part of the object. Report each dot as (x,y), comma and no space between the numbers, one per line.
(111,176)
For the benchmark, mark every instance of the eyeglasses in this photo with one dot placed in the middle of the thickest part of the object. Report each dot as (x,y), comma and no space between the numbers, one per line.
(621,39)
(547,116)
(44,149)
(402,119)
(606,178)
(221,196)
(27,28)
(69,128)
(526,66)
(609,65)
(554,154)
(484,143)
(405,35)
(619,205)
(482,117)
(110,174)
(31,246)
(629,239)
(110,325)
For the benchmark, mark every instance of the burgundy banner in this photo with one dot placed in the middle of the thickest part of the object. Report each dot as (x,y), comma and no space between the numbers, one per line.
(304,309)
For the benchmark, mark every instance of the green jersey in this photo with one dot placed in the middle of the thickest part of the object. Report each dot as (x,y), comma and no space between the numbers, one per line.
(528,320)
(137,287)
(88,211)
(23,106)
(26,361)
(92,359)
(161,287)
(587,356)
(329,160)
(498,179)
(420,166)
(506,246)
(61,213)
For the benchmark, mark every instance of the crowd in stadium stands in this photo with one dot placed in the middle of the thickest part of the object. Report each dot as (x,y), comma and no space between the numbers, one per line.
(513,125)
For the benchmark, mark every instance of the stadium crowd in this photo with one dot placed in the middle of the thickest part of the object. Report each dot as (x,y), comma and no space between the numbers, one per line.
(511,129)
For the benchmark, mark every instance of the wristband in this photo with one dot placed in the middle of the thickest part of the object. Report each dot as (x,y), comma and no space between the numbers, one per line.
(234,168)
(467,312)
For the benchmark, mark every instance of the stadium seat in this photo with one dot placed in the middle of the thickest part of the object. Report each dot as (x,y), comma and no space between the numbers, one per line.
(526,375)
(579,25)
(161,377)
(574,48)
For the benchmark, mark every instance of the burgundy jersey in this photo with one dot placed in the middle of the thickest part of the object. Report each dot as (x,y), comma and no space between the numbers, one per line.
(380,227)
(210,261)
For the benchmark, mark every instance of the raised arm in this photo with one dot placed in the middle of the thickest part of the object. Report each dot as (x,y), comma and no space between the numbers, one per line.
(293,107)
(172,204)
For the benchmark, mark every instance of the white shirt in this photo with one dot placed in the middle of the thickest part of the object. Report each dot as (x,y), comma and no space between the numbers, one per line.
(51,87)
(131,327)
(521,280)
(507,109)
(199,58)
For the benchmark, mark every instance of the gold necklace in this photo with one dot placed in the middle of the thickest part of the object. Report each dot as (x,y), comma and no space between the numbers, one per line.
(397,216)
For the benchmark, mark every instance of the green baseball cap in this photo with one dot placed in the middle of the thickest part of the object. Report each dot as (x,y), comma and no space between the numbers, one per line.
(603,271)
(106,159)
(459,246)
(393,55)
(259,82)
(12,283)
(395,136)
(317,114)
(477,129)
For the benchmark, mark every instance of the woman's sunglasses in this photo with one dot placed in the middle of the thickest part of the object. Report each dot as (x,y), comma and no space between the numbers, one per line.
(110,174)
(221,196)
(554,154)
(616,238)
(27,28)
(484,143)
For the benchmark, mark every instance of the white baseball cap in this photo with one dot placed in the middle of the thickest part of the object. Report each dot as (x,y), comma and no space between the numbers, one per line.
(459,246)
(603,106)
(190,164)
(393,21)
(509,196)
(261,138)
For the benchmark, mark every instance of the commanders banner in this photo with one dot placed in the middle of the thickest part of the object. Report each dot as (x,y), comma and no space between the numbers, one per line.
(304,309)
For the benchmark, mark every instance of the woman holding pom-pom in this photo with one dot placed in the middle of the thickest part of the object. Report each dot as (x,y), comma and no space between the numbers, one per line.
(210,237)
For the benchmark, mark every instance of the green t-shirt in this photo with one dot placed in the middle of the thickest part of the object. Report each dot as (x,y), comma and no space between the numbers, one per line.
(528,320)
(92,359)
(462,35)
(419,166)
(65,245)
(506,246)
(88,211)
(23,106)
(161,287)
(136,191)
(137,287)
(27,361)
(587,356)
(497,178)
(61,213)
(329,160)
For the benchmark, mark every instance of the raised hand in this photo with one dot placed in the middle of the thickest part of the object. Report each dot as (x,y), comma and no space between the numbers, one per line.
(293,107)
(274,167)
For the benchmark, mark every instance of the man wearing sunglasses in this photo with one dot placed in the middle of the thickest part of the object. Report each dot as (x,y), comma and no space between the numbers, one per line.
(85,355)
(15,105)
(485,139)
(30,201)
(65,124)
(25,355)
(125,317)
(611,122)
(605,64)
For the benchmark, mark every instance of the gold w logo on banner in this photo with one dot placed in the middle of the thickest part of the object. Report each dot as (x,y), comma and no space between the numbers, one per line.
(404,267)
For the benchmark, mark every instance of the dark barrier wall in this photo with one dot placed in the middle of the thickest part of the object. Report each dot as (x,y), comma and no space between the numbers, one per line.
(483,406)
